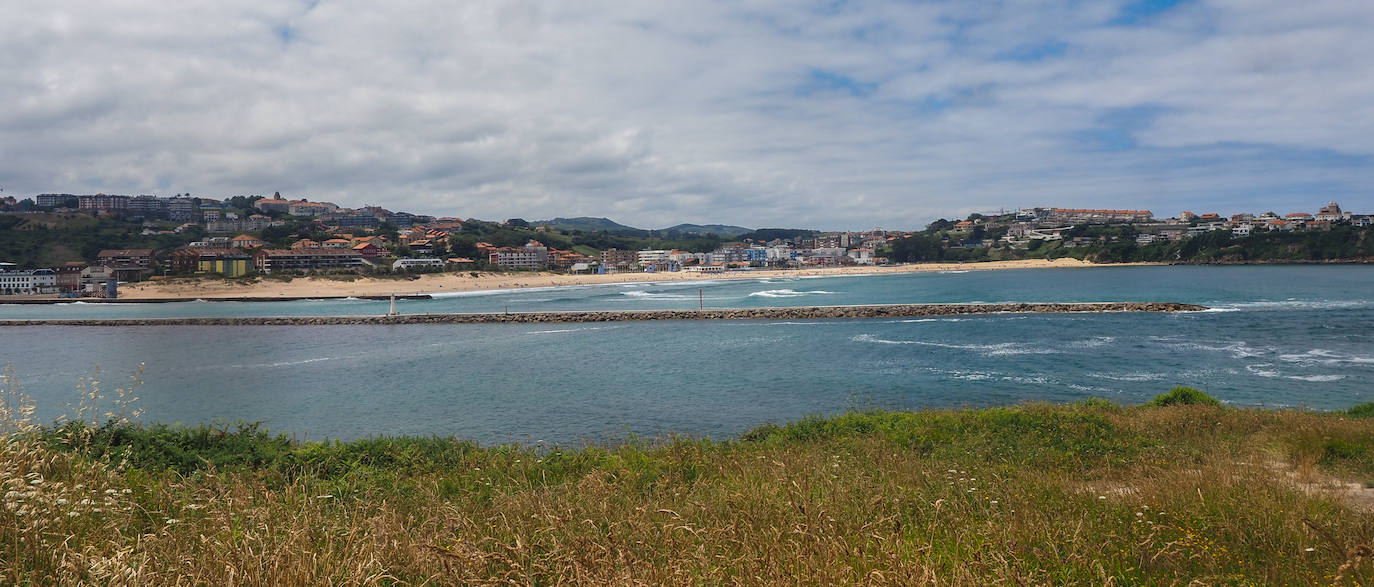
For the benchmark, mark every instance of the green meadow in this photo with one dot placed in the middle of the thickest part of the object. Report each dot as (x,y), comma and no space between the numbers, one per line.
(1177,491)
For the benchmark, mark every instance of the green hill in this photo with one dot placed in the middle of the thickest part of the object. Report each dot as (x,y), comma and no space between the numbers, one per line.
(724,230)
(588,223)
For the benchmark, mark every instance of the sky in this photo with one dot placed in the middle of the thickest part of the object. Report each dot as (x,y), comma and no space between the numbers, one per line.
(832,115)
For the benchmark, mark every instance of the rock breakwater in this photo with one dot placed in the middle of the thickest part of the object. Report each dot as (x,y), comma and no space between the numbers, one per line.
(787,313)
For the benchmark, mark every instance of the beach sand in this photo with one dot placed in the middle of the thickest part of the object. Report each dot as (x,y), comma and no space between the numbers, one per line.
(201,288)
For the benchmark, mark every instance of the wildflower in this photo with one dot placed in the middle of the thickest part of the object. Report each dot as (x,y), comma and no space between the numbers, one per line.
(111,491)
(993,502)
(1138,514)
(194,506)
(127,491)
(172,521)
(73,514)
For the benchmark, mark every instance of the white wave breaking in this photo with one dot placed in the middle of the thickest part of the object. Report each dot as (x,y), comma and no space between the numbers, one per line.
(788,293)
(989,350)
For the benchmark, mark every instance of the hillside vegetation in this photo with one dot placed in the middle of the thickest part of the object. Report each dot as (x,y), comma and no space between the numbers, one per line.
(49,240)
(1116,244)
(1091,493)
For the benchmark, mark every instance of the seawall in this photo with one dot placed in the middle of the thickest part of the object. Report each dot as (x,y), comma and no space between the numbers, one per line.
(789,313)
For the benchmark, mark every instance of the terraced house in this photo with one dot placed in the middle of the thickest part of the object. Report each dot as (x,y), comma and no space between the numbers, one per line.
(279,260)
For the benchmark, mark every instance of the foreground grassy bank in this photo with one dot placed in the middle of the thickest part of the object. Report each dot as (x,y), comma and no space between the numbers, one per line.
(1089,493)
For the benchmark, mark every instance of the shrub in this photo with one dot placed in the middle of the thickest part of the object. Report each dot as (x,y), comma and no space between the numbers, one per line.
(1364,410)
(1184,396)
(1099,403)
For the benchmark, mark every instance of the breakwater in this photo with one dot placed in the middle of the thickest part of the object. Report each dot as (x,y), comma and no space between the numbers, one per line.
(774,313)
(48,300)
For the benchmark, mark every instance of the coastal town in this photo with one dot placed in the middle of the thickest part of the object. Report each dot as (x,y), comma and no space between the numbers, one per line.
(259,236)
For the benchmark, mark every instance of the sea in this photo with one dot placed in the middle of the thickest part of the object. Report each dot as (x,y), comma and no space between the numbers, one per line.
(1278,336)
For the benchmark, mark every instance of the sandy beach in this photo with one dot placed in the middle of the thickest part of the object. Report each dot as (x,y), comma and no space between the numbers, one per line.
(465,281)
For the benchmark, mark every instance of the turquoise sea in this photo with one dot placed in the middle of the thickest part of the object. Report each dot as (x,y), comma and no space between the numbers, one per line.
(1281,336)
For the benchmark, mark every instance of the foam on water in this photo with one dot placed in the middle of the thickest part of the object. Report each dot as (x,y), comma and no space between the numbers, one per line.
(652,295)
(989,350)
(788,293)
(1317,378)
(1326,357)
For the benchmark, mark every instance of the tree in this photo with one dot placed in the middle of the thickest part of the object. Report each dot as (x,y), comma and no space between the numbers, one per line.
(518,222)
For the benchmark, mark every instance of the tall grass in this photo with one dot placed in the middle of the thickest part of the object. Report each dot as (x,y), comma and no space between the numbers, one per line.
(1090,494)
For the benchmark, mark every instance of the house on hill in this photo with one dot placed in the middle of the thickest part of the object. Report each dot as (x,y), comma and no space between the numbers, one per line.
(245,241)
(368,250)
(128,264)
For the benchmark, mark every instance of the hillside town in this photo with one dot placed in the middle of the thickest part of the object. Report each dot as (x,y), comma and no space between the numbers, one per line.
(237,239)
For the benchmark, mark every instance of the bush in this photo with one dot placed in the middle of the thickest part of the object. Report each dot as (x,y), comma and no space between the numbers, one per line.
(1184,396)
(1364,410)
(1099,403)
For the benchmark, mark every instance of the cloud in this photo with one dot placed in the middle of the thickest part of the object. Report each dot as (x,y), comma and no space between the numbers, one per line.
(823,114)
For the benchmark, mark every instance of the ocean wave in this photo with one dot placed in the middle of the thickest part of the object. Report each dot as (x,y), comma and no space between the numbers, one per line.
(1094,342)
(1289,304)
(1131,376)
(651,295)
(971,375)
(1325,357)
(1260,370)
(788,293)
(1078,387)
(1317,378)
(987,350)
(952,271)
(1238,349)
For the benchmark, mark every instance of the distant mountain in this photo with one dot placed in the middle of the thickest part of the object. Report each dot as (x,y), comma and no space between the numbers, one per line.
(724,230)
(587,223)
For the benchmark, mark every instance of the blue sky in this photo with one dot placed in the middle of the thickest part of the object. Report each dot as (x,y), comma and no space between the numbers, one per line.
(832,115)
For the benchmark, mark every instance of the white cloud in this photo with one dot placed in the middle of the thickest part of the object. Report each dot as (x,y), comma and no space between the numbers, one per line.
(754,113)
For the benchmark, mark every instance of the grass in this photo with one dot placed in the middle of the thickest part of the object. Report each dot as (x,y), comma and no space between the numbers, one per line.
(1089,493)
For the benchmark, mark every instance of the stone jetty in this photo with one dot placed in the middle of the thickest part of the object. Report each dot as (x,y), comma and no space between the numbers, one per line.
(788,313)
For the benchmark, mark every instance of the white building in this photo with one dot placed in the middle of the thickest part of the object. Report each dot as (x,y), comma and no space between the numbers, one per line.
(36,281)
(862,256)
(654,257)
(534,255)
(408,264)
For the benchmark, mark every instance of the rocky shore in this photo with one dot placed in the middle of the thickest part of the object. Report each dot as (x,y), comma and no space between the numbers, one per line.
(790,313)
